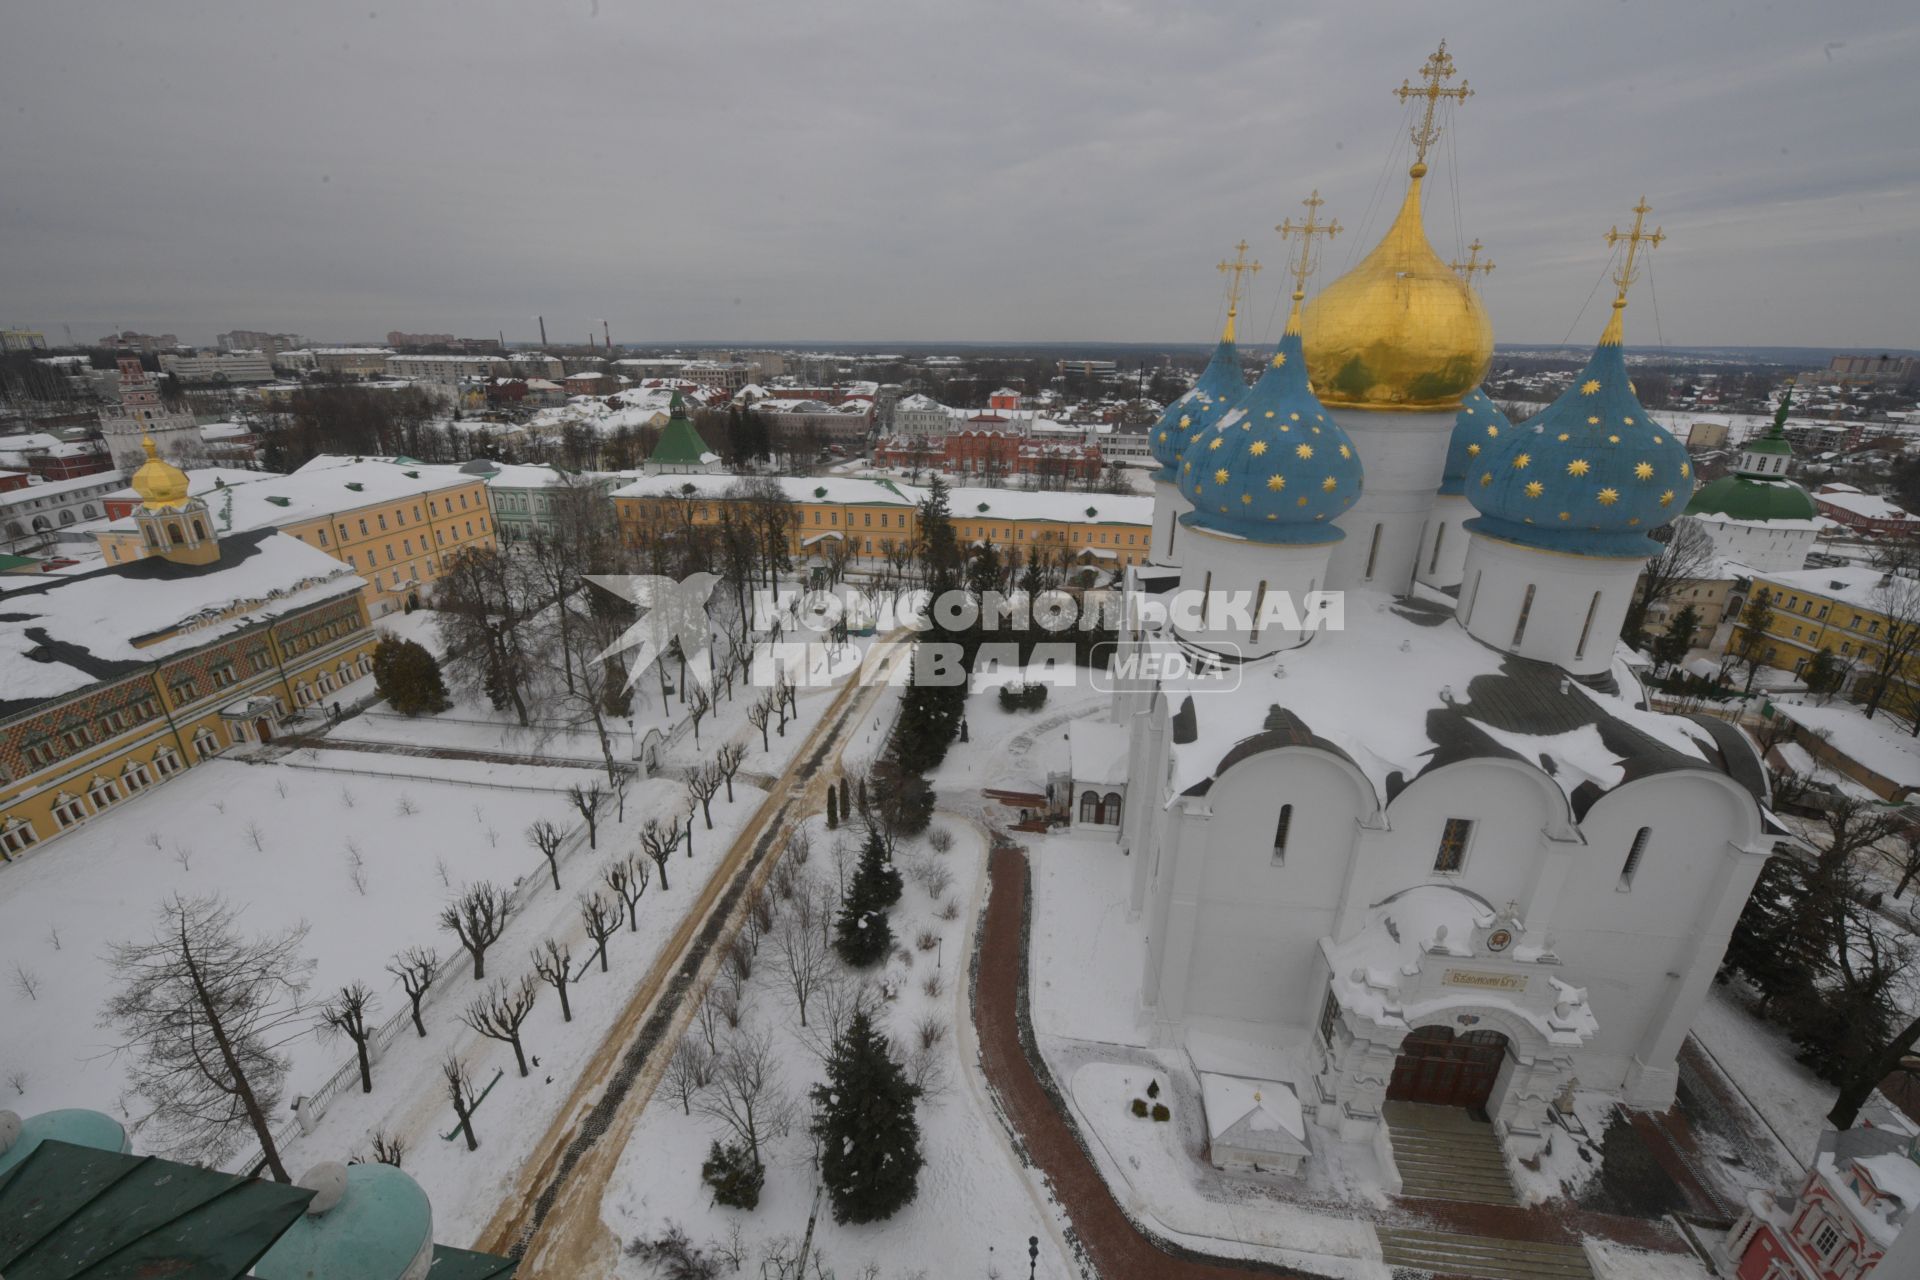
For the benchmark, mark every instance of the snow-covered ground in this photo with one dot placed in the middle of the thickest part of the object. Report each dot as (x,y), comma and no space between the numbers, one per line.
(280,843)
(1760,1060)
(976,1204)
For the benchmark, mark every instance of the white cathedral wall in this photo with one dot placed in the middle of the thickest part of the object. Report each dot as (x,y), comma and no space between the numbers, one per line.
(1443,551)
(1169,504)
(1403,456)
(1575,614)
(1215,564)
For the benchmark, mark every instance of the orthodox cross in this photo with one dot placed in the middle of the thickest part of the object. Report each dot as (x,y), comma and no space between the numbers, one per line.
(1307,230)
(1473,263)
(1437,70)
(1634,238)
(1233,270)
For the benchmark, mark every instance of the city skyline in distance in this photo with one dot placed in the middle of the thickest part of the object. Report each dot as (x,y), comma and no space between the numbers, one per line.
(835,179)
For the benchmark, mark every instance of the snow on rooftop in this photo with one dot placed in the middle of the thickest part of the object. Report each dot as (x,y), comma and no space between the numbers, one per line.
(1888,751)
(323,487)
(1097,752)
(59,634)
(1266,1107)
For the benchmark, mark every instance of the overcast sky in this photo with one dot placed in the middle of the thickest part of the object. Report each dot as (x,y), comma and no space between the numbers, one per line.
(901,170)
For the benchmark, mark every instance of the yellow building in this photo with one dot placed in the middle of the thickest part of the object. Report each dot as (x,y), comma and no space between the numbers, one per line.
(1841,610)
(114,680)
(872,517)
(393,521)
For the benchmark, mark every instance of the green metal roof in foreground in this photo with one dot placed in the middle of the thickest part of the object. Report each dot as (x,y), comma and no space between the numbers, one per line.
(77,1213)
(1740,498)
(459,1264)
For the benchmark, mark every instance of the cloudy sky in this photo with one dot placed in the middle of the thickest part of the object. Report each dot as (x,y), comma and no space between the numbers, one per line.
(905,170)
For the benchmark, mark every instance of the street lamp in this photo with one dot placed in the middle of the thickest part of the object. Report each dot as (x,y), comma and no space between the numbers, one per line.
(1033,1255)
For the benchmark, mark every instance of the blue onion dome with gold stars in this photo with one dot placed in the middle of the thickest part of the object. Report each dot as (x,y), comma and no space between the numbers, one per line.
(1219,387)
(1592,474)
(1276,467)
(1476,428)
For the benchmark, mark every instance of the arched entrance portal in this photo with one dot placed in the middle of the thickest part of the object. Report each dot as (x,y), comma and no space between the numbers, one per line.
(1445,1069)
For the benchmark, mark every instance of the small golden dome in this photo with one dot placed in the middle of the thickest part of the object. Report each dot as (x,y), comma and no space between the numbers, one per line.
(159,484)
(1401,330)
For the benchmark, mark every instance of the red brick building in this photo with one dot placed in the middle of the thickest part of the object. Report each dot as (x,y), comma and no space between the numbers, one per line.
(1848,1220)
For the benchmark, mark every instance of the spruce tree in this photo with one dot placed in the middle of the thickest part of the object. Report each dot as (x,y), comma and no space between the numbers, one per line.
(833,808)
(862,935)
(408,678)
(868,1133)
(876,881)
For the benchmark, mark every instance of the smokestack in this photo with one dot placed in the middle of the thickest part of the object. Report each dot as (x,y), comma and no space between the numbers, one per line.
(543,330)
(607,332)
(503,339)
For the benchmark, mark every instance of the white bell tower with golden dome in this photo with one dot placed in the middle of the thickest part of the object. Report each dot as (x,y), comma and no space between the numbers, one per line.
(1392,347)
(173,524)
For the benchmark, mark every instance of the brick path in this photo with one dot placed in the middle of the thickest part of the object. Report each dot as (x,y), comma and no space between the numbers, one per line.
(1118,1249)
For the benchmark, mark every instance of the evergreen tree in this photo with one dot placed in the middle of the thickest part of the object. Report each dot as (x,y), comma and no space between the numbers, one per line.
(1762,948)
(876,880)
(1823,673)
(408,678)
(735,1176)
(868,1133)
(1672,646)
(833,808)
(862,934)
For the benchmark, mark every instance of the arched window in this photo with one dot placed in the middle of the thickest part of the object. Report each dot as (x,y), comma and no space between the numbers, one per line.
(1466,614)
(103,792)
(16,836)
(1520,623)
(1280,829)
(88,511)
(1089,807)
(1593,607)
(14,529)
(199,530)
(1259,598)
(176,535)
(66,517)
(1634,853)
(1439,536)
(153,539)
(1110,810)
(1373,551)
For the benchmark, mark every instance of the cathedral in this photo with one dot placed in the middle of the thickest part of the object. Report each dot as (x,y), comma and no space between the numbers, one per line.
(1446,854)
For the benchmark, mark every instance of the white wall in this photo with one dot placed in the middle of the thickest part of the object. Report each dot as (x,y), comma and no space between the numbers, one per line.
(1443,552)
(1169,504)
(1493,593)
(1763,547)
(1403,456)
(1225,564)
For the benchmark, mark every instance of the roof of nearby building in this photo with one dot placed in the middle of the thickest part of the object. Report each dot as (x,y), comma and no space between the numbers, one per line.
(73,484)
(1746,498)
(679,444)
(61,633)
(328,484)
(1254,1115)
(1879,746)
(204,482)
(1868,506)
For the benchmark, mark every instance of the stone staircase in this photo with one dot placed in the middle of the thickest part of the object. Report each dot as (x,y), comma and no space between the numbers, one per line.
(1440,1253)
(1443,1154)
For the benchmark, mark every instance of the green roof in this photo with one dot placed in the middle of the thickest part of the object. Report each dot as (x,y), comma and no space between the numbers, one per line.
(1769,443)
(77,1213)
(679,443)
(1741,498)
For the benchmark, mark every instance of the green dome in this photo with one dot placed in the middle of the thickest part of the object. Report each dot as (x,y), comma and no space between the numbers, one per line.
(378,1230)
(76,1125)
(1742,498)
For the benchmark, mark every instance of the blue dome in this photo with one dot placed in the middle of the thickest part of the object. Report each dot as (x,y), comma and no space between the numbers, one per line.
(75,1125)
(1218,389)
(1276,467)
(1475,428)
(377,1230)
(1591,474)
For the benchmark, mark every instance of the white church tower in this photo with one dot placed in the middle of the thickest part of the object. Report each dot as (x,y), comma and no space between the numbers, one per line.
(141,417)
(1566,502)
(1392,347)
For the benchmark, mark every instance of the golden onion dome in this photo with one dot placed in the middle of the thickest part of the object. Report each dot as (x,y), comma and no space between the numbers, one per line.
(1401,330)
(159,483)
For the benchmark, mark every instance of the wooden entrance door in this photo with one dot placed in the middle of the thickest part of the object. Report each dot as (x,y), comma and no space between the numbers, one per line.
(1438,1067)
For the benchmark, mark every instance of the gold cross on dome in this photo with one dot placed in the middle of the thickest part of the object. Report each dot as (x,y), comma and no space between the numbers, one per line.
(1307,230)
(1634,238)
(1473,263)
(1437,70)
(1233,270)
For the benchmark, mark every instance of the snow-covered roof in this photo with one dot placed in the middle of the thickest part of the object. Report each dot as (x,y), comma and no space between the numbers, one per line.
(73,484)
(1883,1155)
(1867,506)
(1453,699)
(1889,752)
(1256,1115)
(224,430)
(60,634)
(204,482)
(965,503)
(1856,585)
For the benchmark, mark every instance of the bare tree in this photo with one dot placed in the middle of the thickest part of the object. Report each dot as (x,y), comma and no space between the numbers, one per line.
(415,968)
(689,1071)
(387,1148)
(804,957)
(1907,858)
(588,799)
(484,598)
(477,917)
(758,715)
(1686,556)
(1897,599)
(204,1012)
(659,839)
(727,760)
(460,1093)
(547,838)
(702,785)
(628,877)
(744,1094)
(836,998)
(697,708)
(708,1018)
(602,920)
(499,1012)
(346,1014)
(553,961)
